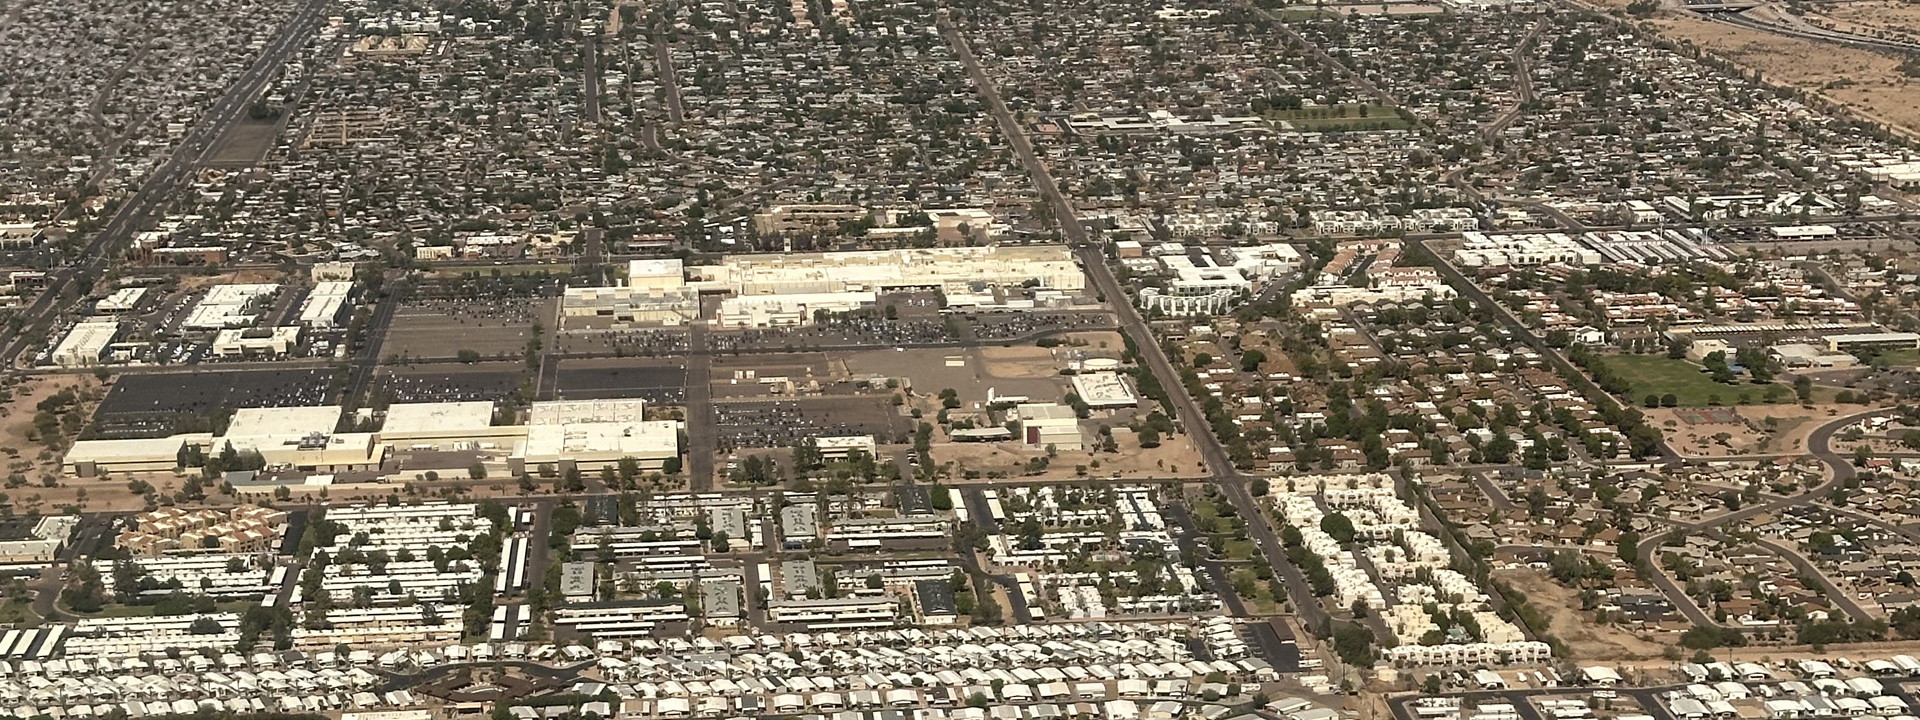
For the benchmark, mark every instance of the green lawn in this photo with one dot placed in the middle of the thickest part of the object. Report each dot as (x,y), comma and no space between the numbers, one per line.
(117,610)
(1898,358)
(1237,550)
(1341,117)
(1659,375)
(18,613)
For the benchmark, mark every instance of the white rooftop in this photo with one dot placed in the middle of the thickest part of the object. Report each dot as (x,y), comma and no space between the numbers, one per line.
(440,417)
(281,421)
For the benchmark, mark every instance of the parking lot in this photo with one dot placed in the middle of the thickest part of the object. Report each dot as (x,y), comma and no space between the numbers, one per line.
(656,381)
(836,332)
(781,423)
(1004,326)
(144,406)
(496,329)
(444,383)
(617,342)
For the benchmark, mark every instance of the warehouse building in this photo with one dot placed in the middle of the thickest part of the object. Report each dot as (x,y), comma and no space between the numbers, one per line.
(1043,424)
(594,445)
(93,458)
(446,426)
(326,306)
(86,345)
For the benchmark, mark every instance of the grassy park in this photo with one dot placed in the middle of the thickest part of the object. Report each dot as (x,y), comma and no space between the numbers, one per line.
(1691,385)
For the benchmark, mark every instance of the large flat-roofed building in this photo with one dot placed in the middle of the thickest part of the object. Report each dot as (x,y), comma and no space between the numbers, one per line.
(790,219)
(1043,424)
(319,452)
(594,445)
(442,425)
(953,269)
(326,305)
(839,447)
(576,582)
(1104,390)
(662,273)
(787,310)
(289,421)
(1807,355)
(268,342)
(654,293)
(120,302)
(302,438)
(229,306)
(92,458)
(556,412)
(1873,342)
(86,345)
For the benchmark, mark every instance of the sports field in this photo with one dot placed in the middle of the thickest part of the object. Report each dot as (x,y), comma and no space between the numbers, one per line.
(1659,375)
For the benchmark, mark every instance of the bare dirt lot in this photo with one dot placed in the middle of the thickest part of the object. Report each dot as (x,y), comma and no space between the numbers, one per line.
(1019,362)
(1587,640)
(1174,457)
(1761,428)
(24,453)
(1893,18)
(1869,83)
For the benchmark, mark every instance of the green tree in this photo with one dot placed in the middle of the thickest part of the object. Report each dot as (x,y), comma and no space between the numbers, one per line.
(1337,526)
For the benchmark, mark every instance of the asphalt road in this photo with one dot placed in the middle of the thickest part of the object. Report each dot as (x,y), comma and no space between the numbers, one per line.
(1219,464)
(160,186)
(702,440)
(669,81)
(1819,445)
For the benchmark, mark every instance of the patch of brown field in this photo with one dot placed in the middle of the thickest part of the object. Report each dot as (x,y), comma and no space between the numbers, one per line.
(1587,641)
(1865,82)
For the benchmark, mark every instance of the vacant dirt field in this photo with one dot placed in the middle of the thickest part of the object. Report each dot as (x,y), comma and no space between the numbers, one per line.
(1866,82)
(31,457)
(1869,17)
(1174,457)
(1020,362)
(1587,640)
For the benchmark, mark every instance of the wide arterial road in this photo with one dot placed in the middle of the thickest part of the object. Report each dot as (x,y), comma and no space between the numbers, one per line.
(1184,408)
(160,186)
